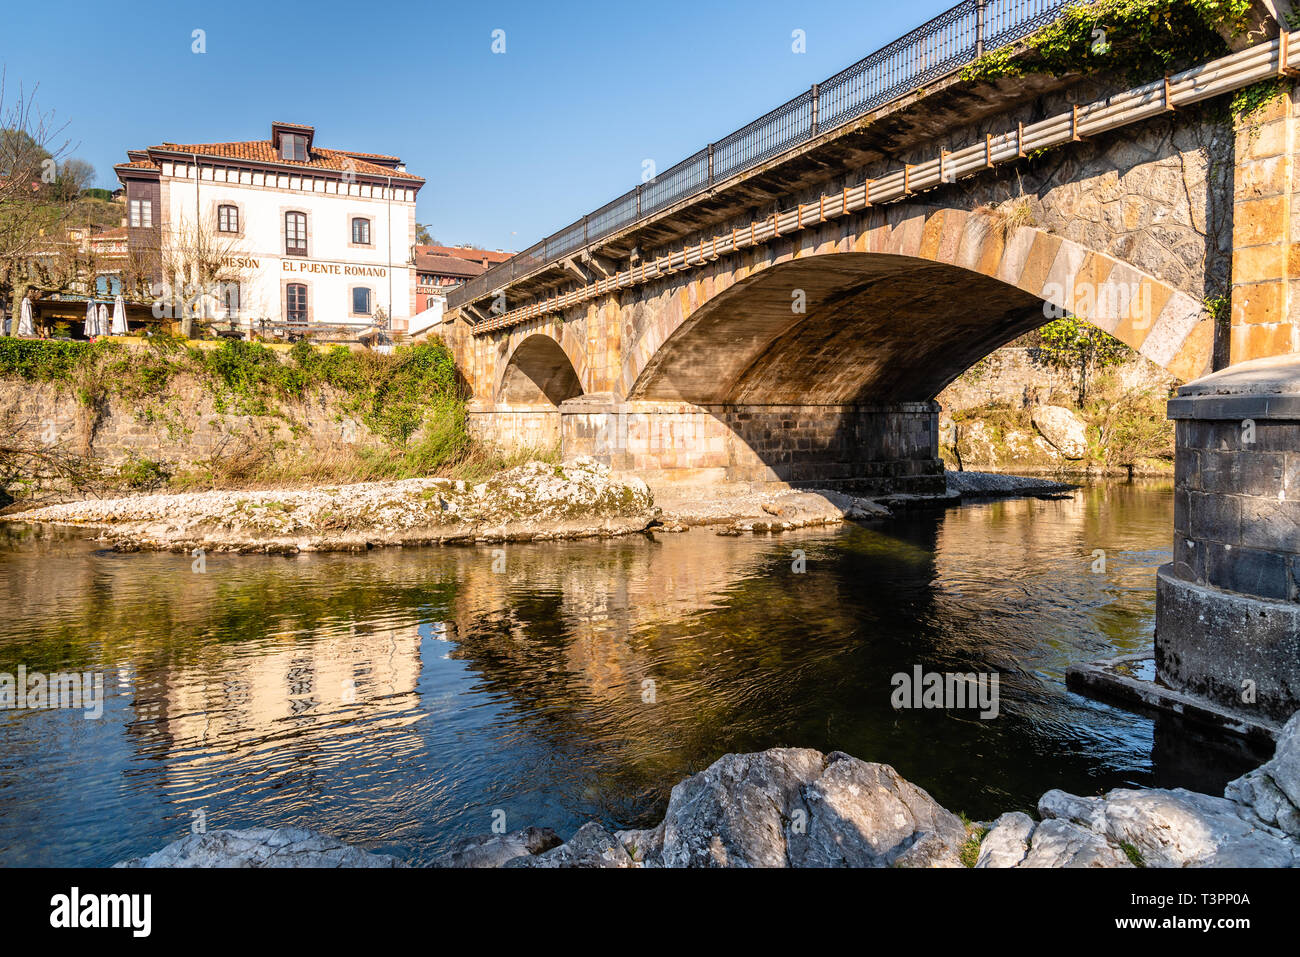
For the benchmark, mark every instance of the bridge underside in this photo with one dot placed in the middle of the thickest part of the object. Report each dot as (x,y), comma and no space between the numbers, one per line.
(829,330)
(812,371)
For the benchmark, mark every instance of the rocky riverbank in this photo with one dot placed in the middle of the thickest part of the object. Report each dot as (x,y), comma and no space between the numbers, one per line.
(535,501)
(532,502)
(795,807)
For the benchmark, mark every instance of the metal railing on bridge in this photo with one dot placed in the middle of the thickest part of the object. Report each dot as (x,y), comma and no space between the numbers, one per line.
(933,50)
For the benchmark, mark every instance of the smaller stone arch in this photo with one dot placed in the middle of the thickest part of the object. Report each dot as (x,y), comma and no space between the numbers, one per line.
(538,373)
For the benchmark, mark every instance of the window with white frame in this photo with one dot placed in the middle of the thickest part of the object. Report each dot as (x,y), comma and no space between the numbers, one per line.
(142,213)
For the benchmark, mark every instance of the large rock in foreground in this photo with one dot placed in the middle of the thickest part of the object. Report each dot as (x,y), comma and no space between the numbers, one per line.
(1255,824)
(262,847)
(494,850)
(795,807)
(1271,793)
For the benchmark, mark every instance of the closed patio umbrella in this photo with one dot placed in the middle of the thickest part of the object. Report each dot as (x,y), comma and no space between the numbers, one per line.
(92,316)
(101,327)
(119,317)
(25,326)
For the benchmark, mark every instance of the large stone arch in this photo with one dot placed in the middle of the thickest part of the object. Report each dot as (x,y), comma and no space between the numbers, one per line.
(931,294)
(539,372)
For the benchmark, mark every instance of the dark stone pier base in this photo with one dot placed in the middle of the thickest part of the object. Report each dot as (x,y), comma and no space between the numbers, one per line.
(1227,646)
(1228,605)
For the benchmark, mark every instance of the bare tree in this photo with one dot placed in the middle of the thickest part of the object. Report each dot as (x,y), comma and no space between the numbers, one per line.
(31,208)
(74,176)
(201,266)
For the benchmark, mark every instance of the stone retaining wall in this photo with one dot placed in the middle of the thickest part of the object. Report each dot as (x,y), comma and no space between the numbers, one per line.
(179,429)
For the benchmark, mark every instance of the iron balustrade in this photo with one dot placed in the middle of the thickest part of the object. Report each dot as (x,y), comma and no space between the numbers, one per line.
(951,40)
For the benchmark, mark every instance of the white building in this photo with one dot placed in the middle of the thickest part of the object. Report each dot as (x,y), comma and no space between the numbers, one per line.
(306,235)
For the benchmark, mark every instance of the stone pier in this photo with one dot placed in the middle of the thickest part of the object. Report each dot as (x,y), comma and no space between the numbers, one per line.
(860,449)
(1228,619)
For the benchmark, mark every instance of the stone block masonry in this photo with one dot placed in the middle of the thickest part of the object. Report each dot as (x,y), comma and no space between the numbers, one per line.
(1228,605)
(862,449)
(1266,233)
(515,429)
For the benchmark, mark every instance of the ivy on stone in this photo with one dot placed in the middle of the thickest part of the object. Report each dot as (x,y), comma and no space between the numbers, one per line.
(1139,39)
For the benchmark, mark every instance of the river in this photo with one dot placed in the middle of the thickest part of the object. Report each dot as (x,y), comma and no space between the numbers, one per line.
(401,699)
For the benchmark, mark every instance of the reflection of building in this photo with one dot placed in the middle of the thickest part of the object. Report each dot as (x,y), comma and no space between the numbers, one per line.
(303,683)
(305,235)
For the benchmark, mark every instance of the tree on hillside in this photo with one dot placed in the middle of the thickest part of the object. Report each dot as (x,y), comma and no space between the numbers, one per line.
(1083,349)
(422,235)
(74,176)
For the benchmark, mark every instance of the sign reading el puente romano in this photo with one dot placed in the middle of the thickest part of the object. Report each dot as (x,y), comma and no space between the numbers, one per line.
(334,269)
(306,234)
(291,265)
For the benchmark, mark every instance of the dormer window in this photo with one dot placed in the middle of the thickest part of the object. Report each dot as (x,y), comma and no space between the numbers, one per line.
(293,146)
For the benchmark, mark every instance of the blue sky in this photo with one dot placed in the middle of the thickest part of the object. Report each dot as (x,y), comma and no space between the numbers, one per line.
(513,145)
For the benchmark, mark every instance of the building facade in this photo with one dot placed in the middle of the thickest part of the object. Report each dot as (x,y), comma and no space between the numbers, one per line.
(277,231)
(439,268)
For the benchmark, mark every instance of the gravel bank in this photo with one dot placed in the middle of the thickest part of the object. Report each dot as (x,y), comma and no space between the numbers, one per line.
(532,502)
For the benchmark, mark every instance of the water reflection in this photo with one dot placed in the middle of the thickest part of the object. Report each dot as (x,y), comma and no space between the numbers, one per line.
(397,699)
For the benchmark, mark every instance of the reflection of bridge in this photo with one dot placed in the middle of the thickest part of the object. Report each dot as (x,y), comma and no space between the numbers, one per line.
(784,305)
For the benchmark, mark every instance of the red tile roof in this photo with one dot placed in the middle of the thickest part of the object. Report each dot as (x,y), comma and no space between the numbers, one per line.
(466,252)
(445,265)
(369,165)
(264,151)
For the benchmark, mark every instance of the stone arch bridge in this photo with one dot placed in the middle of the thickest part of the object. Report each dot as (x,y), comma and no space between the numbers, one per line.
(783,306)
(815,360)
(793,323)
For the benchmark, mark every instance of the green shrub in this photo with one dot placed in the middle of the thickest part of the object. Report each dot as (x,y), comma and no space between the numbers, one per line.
(41,360)
(142,474)
(413,399)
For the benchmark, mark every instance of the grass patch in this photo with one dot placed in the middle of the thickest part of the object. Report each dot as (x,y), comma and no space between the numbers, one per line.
(143,474)
(1133,854)
(975,834)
